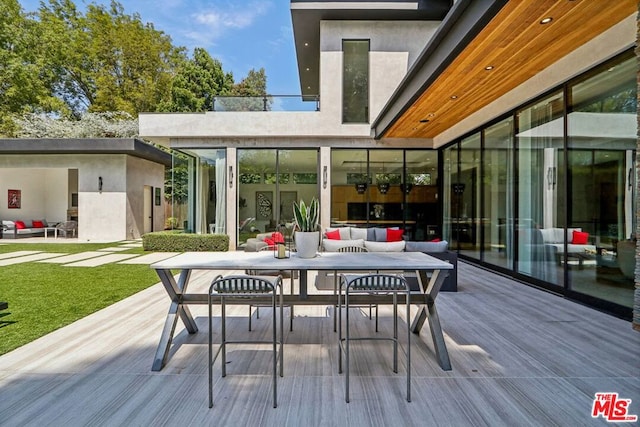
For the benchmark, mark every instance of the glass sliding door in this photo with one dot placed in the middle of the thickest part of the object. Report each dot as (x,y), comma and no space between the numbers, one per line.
(540,227)
(451,194)
(498,189)
(469,220)
(269,181)
(211,189)
(601,160)
(420,190)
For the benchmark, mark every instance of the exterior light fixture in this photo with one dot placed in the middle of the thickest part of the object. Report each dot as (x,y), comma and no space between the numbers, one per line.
(546,20)
(324,177)
(100,184)
(230,176)
(424,121)
(489,67)
(454,96)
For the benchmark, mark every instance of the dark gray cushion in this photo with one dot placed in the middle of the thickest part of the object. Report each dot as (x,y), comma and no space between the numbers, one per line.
(371,234)
(427,246)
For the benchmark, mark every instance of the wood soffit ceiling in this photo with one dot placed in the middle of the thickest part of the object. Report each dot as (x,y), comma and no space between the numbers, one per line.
(518,46)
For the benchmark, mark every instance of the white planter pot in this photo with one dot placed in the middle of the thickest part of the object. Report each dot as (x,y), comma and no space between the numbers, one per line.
(307,243)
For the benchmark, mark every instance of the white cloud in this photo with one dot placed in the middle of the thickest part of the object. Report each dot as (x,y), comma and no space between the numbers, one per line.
(216,22)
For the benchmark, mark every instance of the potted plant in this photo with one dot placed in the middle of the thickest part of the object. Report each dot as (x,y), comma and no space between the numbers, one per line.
(306,236)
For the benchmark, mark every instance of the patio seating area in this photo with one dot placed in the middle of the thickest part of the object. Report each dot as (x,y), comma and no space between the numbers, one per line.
(519,357)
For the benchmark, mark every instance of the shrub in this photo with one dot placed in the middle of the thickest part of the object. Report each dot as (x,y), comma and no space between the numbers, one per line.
(176,241)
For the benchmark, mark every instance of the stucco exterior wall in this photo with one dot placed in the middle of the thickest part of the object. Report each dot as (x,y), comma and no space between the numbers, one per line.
(394,46)
(141,173)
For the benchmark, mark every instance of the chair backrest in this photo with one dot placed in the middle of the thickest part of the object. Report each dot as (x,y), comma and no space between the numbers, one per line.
(353,249)
(377,282)
(67,225)
(243,284)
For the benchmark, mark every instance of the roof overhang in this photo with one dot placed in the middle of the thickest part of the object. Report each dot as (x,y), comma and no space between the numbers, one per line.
(94,146)
(485,49)
(306,16)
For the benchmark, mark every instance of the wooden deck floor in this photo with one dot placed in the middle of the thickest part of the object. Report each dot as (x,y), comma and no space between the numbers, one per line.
(520,356)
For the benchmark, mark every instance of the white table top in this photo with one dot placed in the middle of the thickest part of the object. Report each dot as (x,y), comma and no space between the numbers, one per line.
(264,260)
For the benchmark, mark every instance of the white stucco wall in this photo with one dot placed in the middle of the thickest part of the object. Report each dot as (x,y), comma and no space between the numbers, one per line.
(45,184)
(142,172)
(394,46)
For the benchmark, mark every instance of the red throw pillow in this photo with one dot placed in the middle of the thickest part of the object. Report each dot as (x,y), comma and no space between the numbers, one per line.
(269,241)
(20,225)
(277,237)
(394,235)
(37,224)
(333,235)
(580,237)
(437,239)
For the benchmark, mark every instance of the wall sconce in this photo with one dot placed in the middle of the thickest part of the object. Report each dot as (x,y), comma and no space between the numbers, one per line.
(324,177)
(230,176)
(630,179)
(100,184)
(551,177)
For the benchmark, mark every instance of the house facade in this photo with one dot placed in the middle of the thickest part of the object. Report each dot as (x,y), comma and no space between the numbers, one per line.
(507,128)
(113,188)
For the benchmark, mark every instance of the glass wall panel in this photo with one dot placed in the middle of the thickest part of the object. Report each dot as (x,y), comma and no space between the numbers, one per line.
(355,81)
(269,181)
(180,192)
(211,188)
(451,194)
(386,188)
(498,188)
(468,218)
(421,192)
(540,141)
(601,157)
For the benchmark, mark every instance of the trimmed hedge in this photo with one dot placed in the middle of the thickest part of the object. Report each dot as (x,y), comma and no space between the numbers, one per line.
(176,241)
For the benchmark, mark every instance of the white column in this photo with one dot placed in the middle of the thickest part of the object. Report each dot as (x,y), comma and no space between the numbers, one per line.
(232,199)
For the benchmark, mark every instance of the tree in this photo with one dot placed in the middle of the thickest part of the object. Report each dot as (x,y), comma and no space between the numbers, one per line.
(24,80)
(196,83)
(250,94)
(106,60)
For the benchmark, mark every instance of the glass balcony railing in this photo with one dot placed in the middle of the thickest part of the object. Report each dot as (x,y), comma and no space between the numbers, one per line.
(267,103)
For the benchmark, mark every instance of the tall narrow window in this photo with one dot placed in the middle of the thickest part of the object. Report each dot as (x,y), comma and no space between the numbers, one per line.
(355,81)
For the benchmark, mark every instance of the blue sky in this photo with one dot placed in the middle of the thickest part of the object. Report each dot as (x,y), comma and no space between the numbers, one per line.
(242,34)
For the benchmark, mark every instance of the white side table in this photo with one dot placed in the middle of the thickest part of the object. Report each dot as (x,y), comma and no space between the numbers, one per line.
(55,232)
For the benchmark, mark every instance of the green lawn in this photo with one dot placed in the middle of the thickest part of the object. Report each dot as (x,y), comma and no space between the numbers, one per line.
(43,297)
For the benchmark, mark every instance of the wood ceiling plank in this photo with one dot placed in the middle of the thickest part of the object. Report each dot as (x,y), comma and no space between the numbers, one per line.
(519,47)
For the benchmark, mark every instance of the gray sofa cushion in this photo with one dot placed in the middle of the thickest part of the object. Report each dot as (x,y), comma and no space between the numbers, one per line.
(385,246)
(427,246)
(381,234)
(331,245)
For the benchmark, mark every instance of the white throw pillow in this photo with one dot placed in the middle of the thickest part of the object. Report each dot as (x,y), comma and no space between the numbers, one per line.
(330,245)
(358,233)
(385,246)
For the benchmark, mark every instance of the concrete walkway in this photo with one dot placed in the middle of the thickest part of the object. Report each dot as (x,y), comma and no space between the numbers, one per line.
(83,259)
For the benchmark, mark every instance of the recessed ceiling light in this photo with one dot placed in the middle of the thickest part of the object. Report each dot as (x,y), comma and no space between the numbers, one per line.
(546,20)
(454,96)
(431,115)
(489,67)
(307,68)
(308,87)
(306,43)
(424,121)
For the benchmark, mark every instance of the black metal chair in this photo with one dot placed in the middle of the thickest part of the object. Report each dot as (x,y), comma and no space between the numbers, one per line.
(373,284)
(282,273)
(245,287)
(351,249)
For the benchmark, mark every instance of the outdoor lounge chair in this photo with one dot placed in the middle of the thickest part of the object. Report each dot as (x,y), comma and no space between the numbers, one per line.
(67,228)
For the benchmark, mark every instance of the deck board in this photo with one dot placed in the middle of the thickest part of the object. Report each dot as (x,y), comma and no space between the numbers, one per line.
(520,356)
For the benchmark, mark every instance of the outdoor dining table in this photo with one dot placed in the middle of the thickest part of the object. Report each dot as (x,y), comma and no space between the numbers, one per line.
(430,273)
